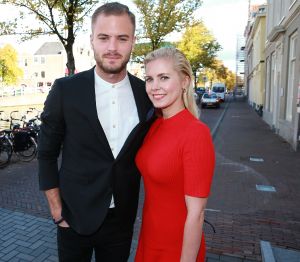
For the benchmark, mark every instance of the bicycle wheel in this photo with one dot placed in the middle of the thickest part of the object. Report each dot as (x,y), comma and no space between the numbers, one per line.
(29,153)
(5,152)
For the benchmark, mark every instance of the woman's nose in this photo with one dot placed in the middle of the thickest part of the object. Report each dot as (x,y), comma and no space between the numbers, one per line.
(155,85)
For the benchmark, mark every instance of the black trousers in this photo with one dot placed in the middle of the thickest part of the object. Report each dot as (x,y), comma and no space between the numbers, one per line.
(111,243)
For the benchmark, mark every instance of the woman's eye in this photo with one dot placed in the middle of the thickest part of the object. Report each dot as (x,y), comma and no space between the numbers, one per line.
(164,78)
(148,79)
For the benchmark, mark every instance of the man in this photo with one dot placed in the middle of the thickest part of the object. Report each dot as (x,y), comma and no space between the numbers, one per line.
(99,118)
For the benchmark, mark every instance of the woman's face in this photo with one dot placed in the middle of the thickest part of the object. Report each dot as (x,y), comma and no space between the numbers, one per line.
(164,86)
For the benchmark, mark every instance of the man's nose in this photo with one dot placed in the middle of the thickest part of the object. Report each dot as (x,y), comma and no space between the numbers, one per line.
(112,44)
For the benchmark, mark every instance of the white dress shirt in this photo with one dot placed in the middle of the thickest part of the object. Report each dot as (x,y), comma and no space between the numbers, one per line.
(116,111)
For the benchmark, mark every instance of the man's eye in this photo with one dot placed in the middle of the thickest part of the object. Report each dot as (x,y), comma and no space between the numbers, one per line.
(123,39)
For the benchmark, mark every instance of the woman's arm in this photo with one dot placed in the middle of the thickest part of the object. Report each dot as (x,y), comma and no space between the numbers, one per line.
(193,228)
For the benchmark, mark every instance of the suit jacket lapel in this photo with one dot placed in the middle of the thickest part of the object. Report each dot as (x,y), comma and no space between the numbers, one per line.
(90,108)
(144,109)
(139,97)
(145,112)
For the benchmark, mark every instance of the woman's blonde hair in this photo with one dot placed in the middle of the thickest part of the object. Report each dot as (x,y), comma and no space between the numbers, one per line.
(183,67)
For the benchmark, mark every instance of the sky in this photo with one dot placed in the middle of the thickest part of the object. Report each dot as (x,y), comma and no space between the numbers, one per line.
(226,19)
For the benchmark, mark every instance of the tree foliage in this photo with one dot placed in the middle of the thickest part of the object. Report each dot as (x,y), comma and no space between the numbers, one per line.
(141,49)
(219,73)
(63,18)
(161,17)
(199,46)
(10,72)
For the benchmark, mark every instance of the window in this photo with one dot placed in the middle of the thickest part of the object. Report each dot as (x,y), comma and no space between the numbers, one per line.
(291,76)
(43,60)
(268,65)
(49,83)
(43,74)
(272,81)
(26,62)
(36,74)
(36,59)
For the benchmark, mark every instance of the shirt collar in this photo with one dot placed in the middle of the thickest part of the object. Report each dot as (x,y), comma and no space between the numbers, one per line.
(104,84)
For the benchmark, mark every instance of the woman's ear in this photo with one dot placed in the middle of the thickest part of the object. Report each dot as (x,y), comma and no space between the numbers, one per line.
(186,82)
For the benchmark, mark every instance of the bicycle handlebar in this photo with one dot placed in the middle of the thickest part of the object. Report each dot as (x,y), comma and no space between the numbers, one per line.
(16,111)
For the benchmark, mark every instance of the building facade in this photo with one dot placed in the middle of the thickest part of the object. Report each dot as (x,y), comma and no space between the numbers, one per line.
(282,51)
(255,34)
(49,62)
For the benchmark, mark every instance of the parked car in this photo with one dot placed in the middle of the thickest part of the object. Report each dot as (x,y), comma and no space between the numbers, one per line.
(210,100)
(197,98)
(200,91)
(219,89)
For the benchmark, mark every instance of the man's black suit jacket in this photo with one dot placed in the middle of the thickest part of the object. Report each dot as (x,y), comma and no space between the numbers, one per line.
(89,174)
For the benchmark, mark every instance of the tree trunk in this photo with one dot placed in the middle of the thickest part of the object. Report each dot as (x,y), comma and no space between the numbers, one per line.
(195,79)
(70,59)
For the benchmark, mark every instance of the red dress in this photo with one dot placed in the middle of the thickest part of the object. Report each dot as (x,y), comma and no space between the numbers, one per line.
(176,159)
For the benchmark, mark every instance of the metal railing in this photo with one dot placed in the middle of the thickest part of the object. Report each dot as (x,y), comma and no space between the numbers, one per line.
(8,91)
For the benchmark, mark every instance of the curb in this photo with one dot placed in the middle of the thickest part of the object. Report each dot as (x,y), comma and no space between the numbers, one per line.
(266,252)
(216,127)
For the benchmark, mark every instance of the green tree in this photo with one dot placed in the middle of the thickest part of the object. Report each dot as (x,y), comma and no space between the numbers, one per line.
(199,46)
(141,49)
(159,18)
(230,80)
(10,72)
(218,72)
(63,18)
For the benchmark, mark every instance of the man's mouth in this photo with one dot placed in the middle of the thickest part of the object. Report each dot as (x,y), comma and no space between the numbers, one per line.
(112,56)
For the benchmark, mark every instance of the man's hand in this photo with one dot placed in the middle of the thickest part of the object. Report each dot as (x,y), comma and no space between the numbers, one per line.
(54,202)
(63,224)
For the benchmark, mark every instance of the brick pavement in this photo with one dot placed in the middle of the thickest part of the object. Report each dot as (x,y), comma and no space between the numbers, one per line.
(25,237)
(242,215)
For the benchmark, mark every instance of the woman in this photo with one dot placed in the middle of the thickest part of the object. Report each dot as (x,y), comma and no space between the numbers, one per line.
(176,161)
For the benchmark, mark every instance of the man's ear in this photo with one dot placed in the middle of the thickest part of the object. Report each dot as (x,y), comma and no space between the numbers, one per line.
(91,40)
(133,42)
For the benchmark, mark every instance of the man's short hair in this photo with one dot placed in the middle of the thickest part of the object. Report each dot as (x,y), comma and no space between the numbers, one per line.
(113,8)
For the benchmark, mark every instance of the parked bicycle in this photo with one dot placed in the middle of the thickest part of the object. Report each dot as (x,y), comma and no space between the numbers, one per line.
(18,140)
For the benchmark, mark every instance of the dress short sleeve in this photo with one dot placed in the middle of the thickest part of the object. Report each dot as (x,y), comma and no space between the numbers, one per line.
(198,161)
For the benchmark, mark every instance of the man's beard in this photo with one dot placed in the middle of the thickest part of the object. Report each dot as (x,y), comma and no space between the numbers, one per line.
(111,69)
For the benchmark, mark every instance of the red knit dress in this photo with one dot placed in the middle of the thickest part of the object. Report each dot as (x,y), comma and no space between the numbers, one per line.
(176,159)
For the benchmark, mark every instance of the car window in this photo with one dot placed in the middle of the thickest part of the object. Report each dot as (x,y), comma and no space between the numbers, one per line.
(218,89)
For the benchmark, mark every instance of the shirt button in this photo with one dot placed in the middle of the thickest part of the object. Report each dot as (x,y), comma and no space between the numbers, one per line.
(113,102)
(114,126)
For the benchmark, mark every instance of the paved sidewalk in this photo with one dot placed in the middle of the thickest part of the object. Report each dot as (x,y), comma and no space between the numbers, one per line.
(25,237)
(241,214)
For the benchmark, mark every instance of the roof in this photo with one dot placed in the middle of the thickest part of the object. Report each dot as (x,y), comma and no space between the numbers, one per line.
(50,48)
